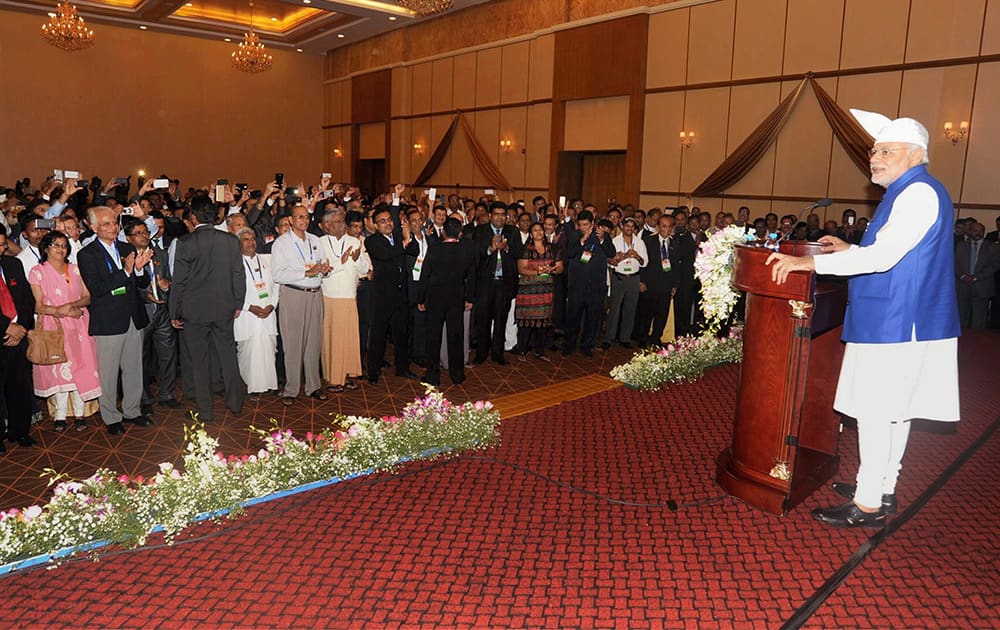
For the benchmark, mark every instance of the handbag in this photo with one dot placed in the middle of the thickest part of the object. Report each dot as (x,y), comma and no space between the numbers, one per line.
(46,347)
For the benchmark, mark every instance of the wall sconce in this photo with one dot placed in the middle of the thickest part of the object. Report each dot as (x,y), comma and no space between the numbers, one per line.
(507,145)
(418,148)
(956,136)
(687,139)
(337,153)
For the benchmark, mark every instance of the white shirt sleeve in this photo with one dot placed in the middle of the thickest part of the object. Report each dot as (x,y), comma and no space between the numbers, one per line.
(913,213)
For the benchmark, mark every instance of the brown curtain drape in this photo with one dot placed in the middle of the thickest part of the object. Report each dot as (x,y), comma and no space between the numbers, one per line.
(751,150)
(479,156)
(434,162)
(851,135)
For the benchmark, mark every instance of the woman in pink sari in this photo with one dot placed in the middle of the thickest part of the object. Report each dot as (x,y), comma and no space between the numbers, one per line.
(60,294)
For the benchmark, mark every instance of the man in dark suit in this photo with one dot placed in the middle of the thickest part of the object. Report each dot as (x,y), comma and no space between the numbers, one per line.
(206,295)
(497,247)
(159,339)
(682,261)
(446,289)
(17,316)
(588,248)
(416,254)
(976,262)
(115,276)
(388,293)
(656,284)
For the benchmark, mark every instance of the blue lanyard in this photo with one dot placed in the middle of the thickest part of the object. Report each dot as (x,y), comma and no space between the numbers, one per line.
(308,247)
(259,271)
(107,258)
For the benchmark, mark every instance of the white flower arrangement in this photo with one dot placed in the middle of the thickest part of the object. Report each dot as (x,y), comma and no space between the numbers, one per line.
(713,266)
(684,360)
(111,508)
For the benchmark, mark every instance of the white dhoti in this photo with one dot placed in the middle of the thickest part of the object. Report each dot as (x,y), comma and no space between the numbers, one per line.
(255,356)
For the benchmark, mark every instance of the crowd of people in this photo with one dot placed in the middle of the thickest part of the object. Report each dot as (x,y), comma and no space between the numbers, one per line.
(297,291)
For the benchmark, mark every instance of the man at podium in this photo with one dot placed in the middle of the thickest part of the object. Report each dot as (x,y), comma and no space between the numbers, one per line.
(901,327)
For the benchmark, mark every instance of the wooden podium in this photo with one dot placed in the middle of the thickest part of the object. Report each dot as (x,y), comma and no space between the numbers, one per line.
(786,432)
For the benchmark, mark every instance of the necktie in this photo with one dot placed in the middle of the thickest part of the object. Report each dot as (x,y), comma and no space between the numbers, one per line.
(498,271)
(391,242)
(156,242)
(6,301)
(973,257)
(663,249)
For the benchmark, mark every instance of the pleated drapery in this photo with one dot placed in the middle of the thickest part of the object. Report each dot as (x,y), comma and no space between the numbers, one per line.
(849,133)
(480,157)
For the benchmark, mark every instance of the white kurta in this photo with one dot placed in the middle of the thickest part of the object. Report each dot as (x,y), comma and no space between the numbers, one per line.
(342,281)
(256,338)
(896,381)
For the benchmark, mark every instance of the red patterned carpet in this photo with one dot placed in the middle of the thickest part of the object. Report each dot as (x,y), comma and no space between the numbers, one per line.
(597,513)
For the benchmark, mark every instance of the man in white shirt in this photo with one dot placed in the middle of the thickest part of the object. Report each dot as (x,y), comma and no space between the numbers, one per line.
(33,228)
(299,265)
(341,354)
(630,257)
(255,329)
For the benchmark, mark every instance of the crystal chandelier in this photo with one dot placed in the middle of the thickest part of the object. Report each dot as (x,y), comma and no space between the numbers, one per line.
(426,7)
(67,30)
(250,56)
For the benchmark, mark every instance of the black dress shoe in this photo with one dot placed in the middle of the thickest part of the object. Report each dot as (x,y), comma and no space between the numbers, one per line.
(24,441)
(146,408)
(409,374)
(458,381)
(427,380)
(626,344)
(3,449)
(849,515)
(587,352)
(139,421)
(372,380)
(500,360)
(170,402)
(479,360)
(116,429)
(606,345)
(847,490)
(567,351)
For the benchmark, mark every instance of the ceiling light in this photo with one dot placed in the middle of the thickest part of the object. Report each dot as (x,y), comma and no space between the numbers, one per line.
(298,50)
(341,35)
(250,55)
(426,7)
(307,1)
(227,40)
(392,18)
(274,19)
(67,30)
(142,28)
(189,4)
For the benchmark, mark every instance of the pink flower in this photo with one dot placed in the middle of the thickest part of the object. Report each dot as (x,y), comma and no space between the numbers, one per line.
(122,478)
(140,479)
(309,436)
(480,405)
(390,419)
(353,431)
(245,458)
(33,512)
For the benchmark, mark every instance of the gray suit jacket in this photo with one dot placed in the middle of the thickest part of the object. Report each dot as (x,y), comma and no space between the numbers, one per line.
(209,281)
(987,265)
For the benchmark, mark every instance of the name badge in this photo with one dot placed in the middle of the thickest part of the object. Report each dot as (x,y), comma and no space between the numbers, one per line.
(665,264)
(585,256)
(417,266)
(118,291)
(628,268)
(261,289)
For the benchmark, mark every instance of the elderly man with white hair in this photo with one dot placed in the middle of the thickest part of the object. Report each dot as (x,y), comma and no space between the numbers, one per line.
(901,325)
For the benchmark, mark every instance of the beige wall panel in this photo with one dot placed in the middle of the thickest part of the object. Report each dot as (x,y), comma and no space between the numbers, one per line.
(346,96)
(461,157)
(333,104)
(488,63)
(539,139)
(812,35)
(802,163)
(400,152)
(439,125)
(749,106)
(933,96)
(661,150)
(420,133)
(487,126)
(540,66)
(597,124)
(705,112)
(514,73)
(940,29)
(421,76)
(371,141)
(874,32)
(514,125)
(666,53)
(991,29)
(465,81)
(401,91)
(347,169)
(171,124)
(759,41)
(710,43)
(982,185)
(442,81)
(647,202)
(870,92)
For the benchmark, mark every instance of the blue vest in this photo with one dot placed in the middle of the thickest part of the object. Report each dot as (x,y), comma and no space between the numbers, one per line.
(918,293)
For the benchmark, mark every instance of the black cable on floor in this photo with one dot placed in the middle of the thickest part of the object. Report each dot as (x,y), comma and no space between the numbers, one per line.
(811,605)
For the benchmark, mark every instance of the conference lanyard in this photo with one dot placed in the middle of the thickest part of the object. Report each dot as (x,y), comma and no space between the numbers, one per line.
(260,273)
(308,247)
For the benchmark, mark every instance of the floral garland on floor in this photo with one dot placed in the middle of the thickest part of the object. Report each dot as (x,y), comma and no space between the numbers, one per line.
(111,507)
(688,357)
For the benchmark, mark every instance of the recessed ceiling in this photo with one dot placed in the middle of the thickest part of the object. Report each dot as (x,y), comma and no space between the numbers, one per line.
(312,25)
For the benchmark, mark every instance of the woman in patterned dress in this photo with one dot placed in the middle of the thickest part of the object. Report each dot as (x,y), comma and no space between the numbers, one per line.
(539,261)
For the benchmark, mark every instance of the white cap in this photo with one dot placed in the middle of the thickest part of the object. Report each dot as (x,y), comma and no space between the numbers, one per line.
(883,129)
